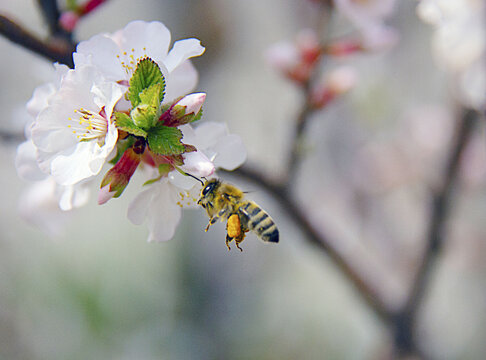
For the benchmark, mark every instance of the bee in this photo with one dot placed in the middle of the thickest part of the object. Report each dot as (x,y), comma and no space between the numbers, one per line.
(226,202)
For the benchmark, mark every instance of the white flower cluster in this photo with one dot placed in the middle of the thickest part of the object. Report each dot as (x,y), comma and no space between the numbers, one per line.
(459,44)
(75,132)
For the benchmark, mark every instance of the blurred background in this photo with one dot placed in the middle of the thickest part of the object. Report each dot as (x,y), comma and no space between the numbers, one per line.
(98,290)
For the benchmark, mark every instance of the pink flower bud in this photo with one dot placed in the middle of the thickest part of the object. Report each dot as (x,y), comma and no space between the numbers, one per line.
(184,110)
(192,102)
(343,47)
(341,79)
(68,20)
(335,83)
(296,60)
(105,194)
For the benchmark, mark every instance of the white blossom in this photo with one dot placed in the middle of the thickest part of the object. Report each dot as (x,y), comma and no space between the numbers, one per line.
(116,55)
(74,134)
(45,202)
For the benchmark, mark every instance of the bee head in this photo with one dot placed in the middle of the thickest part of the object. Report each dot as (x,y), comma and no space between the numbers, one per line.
(209,187)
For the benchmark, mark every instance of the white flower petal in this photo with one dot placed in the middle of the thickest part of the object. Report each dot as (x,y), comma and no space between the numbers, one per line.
(159,205)
(181,51)
(73,139)
(181,181)
(209,133)
(102,52)
(73,196)
(26,162)
(181,81)
(39,99)
(70,169)
(164,219)
(230,152)
(39,206)
(139,207)
(197,164)
(107,95)
(145,38)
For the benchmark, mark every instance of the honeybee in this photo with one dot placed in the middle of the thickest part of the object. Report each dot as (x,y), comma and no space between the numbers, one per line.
(226,202)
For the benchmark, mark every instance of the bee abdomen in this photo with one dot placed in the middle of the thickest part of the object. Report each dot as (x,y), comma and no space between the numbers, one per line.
(259,222)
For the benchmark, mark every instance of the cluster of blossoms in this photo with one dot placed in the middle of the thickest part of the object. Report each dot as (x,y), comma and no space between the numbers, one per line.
(127,104)
(298,60)
(459,44)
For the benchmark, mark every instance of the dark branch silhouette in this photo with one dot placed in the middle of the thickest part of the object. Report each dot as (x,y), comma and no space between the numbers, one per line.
(57,49)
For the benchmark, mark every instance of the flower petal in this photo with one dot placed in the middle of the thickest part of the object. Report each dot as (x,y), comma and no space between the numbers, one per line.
(159,205)
(164,217)
(26,162)
(145,38)
(101,51)
(73,196)
(230,152)
(181,51)
(197,164)
(139,207)
(181,181)
(39,206)
(181,81)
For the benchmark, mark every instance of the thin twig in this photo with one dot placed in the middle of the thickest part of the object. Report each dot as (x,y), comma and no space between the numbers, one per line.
(51,14)
(440,208)
(307,109)
(6,137)
(59,51)
(322,242)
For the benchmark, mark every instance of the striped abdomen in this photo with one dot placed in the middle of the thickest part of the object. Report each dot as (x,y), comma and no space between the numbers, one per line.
(257,220)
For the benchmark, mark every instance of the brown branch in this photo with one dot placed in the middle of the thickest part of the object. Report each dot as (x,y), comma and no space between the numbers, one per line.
(295,148)
(59,50)
(295,212)
(51,14)
(441,205)
(6,136)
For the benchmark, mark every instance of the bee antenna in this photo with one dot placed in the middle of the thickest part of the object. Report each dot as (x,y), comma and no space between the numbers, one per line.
(187,174)
(194,177)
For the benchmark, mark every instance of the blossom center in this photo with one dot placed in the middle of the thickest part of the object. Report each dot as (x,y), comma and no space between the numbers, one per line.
(128,60)
(88,125)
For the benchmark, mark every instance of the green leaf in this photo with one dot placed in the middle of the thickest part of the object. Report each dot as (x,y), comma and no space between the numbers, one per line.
(145,75)
(146,114)
(125,123)
(165,140)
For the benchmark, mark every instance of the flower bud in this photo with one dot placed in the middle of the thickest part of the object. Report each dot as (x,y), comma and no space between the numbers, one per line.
(117,178)
(337,82)
(296,60)
(68,20)
(184,110)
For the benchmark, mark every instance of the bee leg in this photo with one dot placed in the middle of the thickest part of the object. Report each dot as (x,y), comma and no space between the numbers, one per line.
(239,239)
(212,221)
(228,240)
(238,246)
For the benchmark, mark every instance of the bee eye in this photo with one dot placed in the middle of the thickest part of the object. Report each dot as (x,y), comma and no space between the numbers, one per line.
(207,189)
